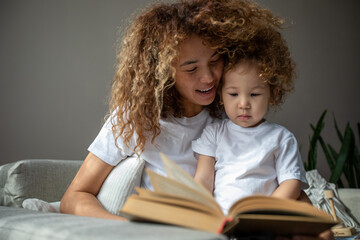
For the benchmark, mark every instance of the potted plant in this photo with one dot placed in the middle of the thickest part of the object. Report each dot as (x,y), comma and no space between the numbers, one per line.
(345,161)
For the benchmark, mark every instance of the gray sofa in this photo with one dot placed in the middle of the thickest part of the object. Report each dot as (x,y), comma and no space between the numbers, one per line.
(48,179)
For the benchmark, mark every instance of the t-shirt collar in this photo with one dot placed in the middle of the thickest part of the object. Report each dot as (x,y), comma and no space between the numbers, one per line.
(248,129)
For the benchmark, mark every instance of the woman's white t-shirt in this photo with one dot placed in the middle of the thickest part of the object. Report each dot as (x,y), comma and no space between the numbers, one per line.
(249,161)
(174,141)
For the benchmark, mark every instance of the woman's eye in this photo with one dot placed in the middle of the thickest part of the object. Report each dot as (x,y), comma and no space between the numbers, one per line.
(216,59)
(191,70)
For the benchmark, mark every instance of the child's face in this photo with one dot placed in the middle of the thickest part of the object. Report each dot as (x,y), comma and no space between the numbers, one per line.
(245,95)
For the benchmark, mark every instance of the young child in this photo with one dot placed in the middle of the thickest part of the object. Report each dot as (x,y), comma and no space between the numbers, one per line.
(245,154)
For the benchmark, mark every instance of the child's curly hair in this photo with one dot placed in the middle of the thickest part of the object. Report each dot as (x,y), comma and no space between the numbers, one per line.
(143,87)
(269,51)
(255,38)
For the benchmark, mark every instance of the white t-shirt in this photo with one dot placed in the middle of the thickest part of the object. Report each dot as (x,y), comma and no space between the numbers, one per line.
(174,141)
(249,161)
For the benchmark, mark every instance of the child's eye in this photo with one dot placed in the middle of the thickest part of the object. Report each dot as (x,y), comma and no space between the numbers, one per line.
(255,94)
(233,94)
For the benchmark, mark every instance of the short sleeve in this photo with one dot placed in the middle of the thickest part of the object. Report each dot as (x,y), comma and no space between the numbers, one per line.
(289,164)
(104,146)
(206,144)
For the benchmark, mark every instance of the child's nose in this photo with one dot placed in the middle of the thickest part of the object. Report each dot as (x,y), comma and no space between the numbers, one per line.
(244,103)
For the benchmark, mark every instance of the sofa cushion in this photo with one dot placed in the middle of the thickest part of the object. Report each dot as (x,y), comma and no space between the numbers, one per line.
(37,178)
(120,183)
(22,224)
(4,169)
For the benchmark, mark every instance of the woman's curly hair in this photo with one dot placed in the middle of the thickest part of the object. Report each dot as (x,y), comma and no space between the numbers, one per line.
(143,87)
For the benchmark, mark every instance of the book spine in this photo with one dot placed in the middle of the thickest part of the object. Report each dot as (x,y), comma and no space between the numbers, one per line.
(226,220)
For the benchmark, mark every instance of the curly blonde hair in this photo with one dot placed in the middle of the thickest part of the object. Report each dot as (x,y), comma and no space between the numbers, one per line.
(143,87)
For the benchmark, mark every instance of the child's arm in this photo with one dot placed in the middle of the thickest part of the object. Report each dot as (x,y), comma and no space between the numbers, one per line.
(205,172)
(288,189)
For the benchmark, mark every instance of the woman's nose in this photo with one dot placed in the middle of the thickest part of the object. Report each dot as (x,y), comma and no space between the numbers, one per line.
(207,76)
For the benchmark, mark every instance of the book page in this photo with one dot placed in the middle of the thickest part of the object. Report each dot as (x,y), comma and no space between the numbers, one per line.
(169,186)
(137,208)
(177,173)
(263,204)
(177,201)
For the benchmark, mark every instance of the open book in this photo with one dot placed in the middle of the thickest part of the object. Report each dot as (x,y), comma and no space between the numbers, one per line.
(178,200)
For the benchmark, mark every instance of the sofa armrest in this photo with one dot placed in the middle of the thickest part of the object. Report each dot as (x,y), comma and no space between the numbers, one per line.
(351,198)
(45,179)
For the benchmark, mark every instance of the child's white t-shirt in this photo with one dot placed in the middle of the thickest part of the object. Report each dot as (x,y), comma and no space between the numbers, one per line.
(174,141)
(249,161)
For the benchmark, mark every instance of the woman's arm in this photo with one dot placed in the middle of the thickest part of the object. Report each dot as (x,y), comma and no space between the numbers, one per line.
(205,172)
(80,197)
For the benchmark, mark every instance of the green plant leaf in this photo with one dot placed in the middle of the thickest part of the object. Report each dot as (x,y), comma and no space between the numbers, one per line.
(348,172)
(312,153)
(356,160)
(343,156)
(358,129)
(337,130)
(329,160)
(348,166)
(334,154)
(335,157)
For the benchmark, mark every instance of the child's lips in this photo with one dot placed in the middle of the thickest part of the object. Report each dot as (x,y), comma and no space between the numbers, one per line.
(244,117)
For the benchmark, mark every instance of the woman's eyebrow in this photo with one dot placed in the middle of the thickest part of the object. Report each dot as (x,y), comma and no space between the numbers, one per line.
(187,63)
(214,54)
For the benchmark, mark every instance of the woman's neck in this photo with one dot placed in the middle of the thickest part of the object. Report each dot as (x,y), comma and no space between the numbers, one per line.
(193,110)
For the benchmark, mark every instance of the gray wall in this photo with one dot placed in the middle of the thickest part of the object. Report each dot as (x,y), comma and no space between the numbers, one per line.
(57,61)
(325,43)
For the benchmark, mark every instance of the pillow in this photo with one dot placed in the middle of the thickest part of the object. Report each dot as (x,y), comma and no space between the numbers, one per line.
(38,178)
(4,169)
(38,205)
(120,183)
(317,185)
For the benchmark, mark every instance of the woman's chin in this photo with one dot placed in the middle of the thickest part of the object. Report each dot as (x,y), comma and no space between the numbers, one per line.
(206,99)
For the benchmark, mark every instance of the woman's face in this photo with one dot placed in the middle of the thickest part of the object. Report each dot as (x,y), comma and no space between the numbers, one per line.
(198,72)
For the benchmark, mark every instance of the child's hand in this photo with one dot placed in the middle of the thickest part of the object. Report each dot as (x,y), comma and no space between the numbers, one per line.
(326,235)
(288,189)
